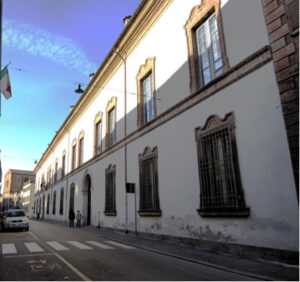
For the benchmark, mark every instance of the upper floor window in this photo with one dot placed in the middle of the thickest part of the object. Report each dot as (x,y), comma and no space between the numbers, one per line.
(110,190)
(221,193)
(292,12)
(80,148)
(74,154)
(63,165)
(149,196)
(98,134)
(146,92)
(55,170)
(111,122)
(206,45)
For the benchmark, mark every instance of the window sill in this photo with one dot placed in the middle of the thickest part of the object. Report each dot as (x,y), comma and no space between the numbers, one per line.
(110,213)
(243,212)
(150,213)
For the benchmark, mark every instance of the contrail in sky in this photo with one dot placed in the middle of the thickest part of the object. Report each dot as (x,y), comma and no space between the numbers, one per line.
(39,42)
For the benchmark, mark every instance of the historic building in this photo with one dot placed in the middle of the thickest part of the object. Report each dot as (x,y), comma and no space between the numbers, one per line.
(14,180)
(187,129)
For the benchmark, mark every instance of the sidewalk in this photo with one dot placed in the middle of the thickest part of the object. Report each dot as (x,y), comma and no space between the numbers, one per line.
(254,269)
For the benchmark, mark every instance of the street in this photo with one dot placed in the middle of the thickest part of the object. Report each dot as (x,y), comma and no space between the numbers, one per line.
(55,252)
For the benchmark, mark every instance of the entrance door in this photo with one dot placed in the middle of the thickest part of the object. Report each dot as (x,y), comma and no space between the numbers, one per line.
(88,199)
(72,194)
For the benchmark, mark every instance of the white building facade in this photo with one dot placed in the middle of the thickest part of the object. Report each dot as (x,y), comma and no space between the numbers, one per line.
(185,110)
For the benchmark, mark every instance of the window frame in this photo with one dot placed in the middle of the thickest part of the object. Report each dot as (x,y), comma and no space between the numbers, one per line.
(149,156)
(80,148)
(55,170)
(199,15)
(110,203)
(97,120)
(61,202)
(54,203)
(73,163)
(209,208)
(63,164)
(144,72)
(111,106)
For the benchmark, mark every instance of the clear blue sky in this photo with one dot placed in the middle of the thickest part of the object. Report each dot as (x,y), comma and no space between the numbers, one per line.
(52,45)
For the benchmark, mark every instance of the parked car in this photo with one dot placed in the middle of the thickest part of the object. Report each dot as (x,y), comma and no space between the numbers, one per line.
(15,219)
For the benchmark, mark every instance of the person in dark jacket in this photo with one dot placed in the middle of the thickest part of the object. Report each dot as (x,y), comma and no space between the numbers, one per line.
(71,218)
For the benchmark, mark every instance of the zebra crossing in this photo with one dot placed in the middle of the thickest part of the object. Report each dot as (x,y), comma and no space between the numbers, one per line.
(34,247)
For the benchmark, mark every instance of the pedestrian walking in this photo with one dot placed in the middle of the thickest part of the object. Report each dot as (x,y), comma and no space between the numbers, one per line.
(78,217)
(71,218)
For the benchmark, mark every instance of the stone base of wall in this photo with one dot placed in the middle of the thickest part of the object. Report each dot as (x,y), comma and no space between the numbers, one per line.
(243,251)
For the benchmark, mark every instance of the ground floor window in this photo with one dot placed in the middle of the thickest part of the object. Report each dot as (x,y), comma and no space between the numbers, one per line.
(149,196)
(110,190)
(221,192)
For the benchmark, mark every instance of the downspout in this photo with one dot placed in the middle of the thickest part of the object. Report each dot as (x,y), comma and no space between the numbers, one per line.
(125,134)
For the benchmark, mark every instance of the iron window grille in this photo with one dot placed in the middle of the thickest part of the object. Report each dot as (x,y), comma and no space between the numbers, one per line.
(61,206)
(48,203)
(149,196)
(221,193)
(54,203)
(110,190)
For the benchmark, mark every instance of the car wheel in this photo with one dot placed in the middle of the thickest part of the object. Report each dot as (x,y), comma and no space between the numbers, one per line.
(27,228)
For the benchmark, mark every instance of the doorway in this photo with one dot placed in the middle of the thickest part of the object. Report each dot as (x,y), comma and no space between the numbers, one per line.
(87,199)
(72,197)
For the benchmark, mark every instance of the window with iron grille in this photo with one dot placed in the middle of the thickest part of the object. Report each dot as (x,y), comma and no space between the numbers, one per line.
(61,206)
(292,12)
(48,203)
(110,190)
(149,196)
(54,203)
(221,193)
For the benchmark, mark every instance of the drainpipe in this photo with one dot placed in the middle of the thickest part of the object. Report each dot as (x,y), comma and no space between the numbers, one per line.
(125,134)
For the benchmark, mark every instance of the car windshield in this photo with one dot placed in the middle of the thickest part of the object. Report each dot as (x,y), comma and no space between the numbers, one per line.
(15,213)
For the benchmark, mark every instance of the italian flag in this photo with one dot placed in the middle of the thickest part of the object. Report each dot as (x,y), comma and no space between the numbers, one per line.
(5,83)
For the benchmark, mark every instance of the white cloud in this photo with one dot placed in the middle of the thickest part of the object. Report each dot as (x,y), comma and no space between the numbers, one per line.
(39,42)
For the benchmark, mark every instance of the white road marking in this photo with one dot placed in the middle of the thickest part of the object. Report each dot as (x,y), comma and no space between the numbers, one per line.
(120,245)
(79,245)
(57,246)
(33,247)
(8,249)
(101,245)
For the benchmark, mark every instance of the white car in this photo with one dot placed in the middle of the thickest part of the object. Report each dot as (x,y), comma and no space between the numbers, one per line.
(15,219)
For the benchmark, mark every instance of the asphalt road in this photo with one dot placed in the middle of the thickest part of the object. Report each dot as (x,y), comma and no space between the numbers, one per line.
(54,252)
